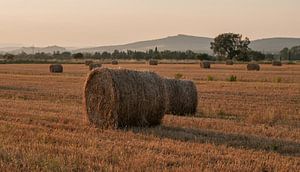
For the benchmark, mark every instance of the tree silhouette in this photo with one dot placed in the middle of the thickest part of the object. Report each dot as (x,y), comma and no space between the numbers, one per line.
(230,45)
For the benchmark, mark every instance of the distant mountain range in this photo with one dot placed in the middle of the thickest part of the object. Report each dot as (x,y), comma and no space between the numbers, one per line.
(174,43)
(274,45)
(33,50)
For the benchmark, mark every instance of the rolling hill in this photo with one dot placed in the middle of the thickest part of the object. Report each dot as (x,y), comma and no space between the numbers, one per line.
(174,43)
(31,50)
(274,45)
(197,44)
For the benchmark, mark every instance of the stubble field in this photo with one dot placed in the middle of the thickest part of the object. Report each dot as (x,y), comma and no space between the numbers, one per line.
(252,124)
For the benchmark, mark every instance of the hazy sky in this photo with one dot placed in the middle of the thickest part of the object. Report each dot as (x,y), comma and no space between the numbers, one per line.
(105,22)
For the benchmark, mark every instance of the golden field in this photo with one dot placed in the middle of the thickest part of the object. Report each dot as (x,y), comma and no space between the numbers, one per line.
(252,124)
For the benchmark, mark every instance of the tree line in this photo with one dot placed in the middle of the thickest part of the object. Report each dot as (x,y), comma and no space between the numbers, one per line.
(135,55)
(290,54)
(126,55)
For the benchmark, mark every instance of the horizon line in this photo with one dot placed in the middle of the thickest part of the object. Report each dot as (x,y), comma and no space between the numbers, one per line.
(132,42)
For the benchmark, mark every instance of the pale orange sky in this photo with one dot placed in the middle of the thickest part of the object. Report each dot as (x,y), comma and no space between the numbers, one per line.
(105,22)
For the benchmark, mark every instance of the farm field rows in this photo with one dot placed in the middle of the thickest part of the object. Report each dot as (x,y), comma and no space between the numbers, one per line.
(252,124)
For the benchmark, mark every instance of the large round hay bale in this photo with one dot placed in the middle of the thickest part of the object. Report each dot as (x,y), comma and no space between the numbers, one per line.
(205,64)
(229,62)
(153,62)
(120,98)
(253,66)
(114,62)
(88,62)
(276,63)
(94,66)
(182,97)
(56,68)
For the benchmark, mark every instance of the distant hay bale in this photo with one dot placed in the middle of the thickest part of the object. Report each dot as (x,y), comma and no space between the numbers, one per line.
(88,62)
(229,62)
(94,65)
(276,63)
(120,98)
(114,62)
(56,68)
(153,62)
(182,97)
(205,64)
(253,66)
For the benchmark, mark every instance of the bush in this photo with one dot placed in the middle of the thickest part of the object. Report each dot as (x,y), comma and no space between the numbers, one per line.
(291,63)
(210,78)
(278,79)
(178,76)
(232,78)
(78,56)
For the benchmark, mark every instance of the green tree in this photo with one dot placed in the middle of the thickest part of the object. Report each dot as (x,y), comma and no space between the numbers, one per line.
(78,56)
(106,55)
(116,54)
(270,56)
(66,54)
(256,55)
(284,54)
(230,45)
(156,53)
(9,56)
(294,53)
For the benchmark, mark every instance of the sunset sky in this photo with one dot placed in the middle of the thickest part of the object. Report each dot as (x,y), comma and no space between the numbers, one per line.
(105,22)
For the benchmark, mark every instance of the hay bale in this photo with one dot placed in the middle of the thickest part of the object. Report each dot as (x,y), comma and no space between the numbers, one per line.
(229,62)
(114,62)
(276,63)
(94,66)
(153,62)
(205,64)
(119,98)
(253,66)
(182,97)
(88,62)
(56,68)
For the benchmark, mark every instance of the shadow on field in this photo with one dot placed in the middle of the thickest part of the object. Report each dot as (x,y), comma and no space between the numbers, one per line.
(218,138)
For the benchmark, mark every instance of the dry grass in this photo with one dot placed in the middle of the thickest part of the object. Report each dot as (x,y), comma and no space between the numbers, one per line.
(249,125)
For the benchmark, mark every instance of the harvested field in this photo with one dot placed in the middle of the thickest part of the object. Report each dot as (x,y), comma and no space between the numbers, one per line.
(252,124)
